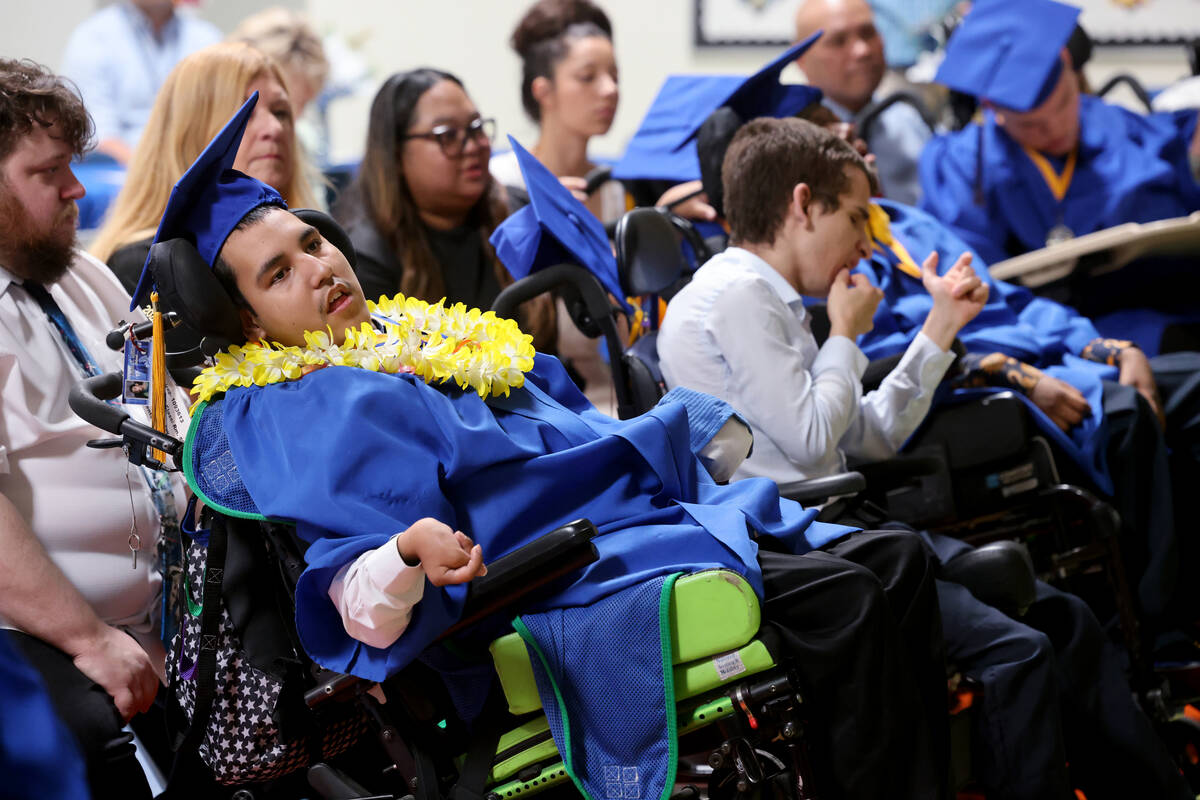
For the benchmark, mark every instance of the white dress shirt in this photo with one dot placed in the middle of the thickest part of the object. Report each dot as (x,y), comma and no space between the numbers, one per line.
(739,331)
(119,63)
(375,594)
(76,499)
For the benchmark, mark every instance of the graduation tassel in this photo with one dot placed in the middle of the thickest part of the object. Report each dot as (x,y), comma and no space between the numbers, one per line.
(158,373)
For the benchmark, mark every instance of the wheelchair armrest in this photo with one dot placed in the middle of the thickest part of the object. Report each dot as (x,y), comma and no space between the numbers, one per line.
(813,490)
(515,575)
(880,475)
(511,578)
(1000,574)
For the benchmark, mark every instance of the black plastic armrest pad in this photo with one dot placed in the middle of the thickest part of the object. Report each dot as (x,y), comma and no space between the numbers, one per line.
(812,489)
(530,567)
(880,475)
(1000,574)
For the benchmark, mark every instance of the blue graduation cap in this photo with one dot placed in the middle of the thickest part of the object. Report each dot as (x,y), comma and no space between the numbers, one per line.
(554,228)
(1008,51)
(660,149)
(211,198)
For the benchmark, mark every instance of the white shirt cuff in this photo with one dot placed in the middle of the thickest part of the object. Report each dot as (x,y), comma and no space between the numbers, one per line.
(925,361)
(375,595)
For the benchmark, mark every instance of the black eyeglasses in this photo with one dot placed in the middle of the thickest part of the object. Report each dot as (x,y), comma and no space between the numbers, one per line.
(453,139)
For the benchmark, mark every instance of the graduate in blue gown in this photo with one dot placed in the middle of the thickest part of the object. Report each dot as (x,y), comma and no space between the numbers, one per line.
(1114,440)
(352,455)
(1047,163)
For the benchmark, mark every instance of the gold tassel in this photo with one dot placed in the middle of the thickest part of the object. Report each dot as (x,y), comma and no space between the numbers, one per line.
(158,373)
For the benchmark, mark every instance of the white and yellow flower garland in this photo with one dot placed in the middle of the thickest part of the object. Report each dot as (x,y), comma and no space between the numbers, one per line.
(473,348)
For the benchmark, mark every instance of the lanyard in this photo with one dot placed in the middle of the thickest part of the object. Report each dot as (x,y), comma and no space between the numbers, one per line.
(1058,183)
(881,235)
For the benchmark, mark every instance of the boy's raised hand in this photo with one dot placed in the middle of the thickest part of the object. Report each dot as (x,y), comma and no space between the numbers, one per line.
(448,556)
(851,305)
(958,296)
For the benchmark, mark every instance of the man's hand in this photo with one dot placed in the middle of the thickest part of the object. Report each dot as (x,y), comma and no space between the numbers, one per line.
(851,305)
(1136,372)
(114,659)
(958,296)
(448,556)
(576,185)
(696,207)
(1062,402)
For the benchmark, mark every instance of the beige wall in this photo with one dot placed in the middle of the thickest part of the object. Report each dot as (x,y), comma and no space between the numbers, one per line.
(469,38)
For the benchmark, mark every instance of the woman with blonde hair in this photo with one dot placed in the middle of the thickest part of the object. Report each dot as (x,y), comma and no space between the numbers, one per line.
(200,94)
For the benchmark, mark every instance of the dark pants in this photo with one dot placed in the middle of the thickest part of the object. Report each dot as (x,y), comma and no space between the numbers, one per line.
(89,714)
(860,619)
(1054,694)
(1155,474)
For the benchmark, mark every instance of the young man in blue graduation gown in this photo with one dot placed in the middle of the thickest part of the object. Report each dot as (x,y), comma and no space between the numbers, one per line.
(739,332)
(377,469)
(1047,163)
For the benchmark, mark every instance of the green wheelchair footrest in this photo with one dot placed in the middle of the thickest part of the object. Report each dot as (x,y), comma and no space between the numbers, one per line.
(712,612)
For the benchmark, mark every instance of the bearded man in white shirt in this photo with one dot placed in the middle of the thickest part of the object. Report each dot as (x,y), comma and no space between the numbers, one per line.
(73,519)
(796,200)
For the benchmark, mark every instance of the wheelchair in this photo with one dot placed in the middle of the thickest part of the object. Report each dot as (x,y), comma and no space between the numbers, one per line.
(1008,488)
(741,716)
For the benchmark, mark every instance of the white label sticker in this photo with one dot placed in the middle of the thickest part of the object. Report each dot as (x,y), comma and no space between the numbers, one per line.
(729,665)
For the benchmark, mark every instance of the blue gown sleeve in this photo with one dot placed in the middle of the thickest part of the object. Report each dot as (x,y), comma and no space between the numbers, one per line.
(350,481)
(947,169)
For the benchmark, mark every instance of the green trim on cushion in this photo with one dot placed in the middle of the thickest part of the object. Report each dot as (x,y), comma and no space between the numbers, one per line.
(562,707)
(668,674)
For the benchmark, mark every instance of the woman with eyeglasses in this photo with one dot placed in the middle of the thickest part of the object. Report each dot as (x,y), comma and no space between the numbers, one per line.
(423,203)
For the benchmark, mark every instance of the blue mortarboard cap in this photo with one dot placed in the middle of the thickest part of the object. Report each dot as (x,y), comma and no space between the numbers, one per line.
(1008,51)
(659,150)
(211,197)
(554,228)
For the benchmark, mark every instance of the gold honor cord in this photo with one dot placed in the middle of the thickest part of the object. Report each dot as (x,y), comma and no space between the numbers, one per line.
(158,373)
(880,227)
(1058,183)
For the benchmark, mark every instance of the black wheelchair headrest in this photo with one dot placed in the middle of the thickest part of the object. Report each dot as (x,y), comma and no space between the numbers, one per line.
(648,255)
(712,141)
(187,286)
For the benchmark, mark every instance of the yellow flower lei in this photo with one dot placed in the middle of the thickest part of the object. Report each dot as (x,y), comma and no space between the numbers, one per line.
(473,348)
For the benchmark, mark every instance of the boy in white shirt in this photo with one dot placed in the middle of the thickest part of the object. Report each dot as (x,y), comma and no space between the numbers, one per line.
(740,331)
